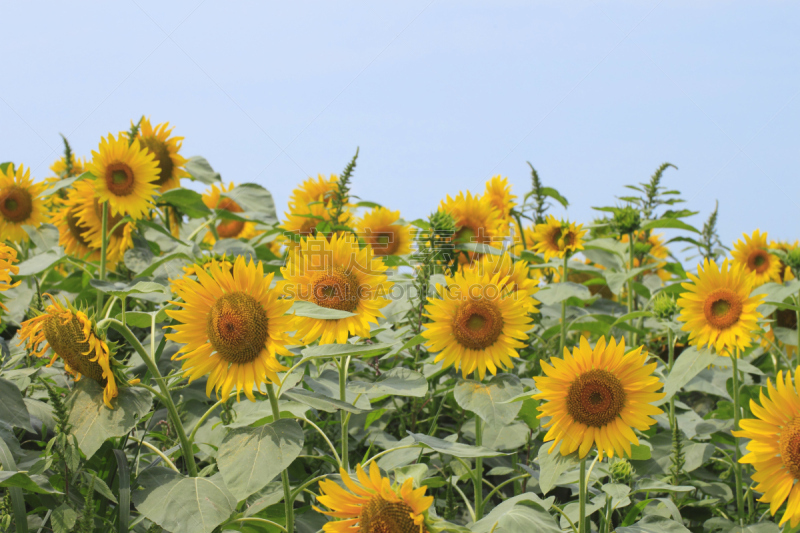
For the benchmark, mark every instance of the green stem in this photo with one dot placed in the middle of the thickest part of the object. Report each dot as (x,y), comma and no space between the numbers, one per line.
(797,313)
(582,499)
(477,477)
(287,489)
(103,249)
(632,335)
(203,419)
(344,362)
(737,469)
(564,271)
(671,350)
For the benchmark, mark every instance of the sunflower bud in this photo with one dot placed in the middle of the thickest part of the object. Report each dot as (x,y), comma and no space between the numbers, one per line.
(622,471)
(626,220)
(665,307)
(442,224)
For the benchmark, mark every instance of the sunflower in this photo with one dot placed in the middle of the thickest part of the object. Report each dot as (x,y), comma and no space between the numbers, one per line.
(71,233)
(76,167)
(499,193)
(336,275)
(72,336)
(8,256)
(380,229)
(781,318)
(655,251)
(302,219)
(597,396)
(775,446)
(754,255)
(517,276)
(555,238)
(785,271)
(717,307)
(314,190)
(127,176)
(20,203)
(373,505)
(227,229)
(478,322)
(158,142)
(89,224)
(477,221)
(232,327)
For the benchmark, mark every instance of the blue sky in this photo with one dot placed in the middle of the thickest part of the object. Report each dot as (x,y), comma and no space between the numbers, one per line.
(439,95)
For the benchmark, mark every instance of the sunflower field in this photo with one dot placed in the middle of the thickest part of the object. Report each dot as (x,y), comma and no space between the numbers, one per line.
(195,363)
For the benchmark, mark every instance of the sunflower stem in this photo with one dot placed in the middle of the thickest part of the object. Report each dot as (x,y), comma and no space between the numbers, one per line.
(797,324)
(103,249)
(478,474)
(671,361)
(287,489)
(564,271)
(582,499)
(632,335)
(737,468)
(344,362)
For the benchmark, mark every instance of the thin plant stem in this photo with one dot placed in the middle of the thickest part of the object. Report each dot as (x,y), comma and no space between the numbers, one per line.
(478,473)
(287,489)
(564,271)
(737,468)
(344,362)
(671,362)
(582,499)
(203,419)
(562,513)
(157,452)
(103,251)
(632,334)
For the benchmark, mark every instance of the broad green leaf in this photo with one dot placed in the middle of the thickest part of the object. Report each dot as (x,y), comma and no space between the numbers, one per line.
(167,258)
(616,280)
(12,407)
(63,518)
(672,223)
(182,504)
(30,483)
(654,524)
(529,413)
(486,399)
(255,198)
(650,485)
(41,262)
(199,169)
(233,248)
(187,201)
(521,514)
(142,319)
(609,260)
(320,401)
(341,350)
(398,381)
(65,182)
(640,452)
(690,363)
(92,422)
(312,310)
(249,458)
(552,465)
(160,229)
(456,449)
(558,292)
(142,290)
(610,245)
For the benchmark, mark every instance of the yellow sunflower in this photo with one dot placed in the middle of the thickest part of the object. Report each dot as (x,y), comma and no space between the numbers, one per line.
(71,233)
(657,250)
(336,275)
(499,193)
(227,229)
(478,322)
(379,229)
(126,175)
(61,170)
(717,307)
(8,256)
(20,204)
(302,219)
(775,446)
(373,505)
(597,397)
(753,254)
(314,190)
(232,327)
(785,271)
(71,335)
(89,225)
(555,238)
(517,276)
(477,221)
(158,142)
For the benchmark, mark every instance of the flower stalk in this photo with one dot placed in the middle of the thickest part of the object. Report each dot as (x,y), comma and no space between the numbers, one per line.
(287,489)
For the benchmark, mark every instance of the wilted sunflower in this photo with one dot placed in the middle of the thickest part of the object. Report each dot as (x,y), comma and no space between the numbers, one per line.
(596,396)
(231,326)
(227,229)
(517,276)
(126,176)
(20,203)
(380,229)
(775,446)
(89,224)
(717,307)
(753,254)
(373,505)
(499,193)
(336,275)
(656,251)
(477,221)
(165,149)
(477,323)
(72,337)
(8,256)
(555,238)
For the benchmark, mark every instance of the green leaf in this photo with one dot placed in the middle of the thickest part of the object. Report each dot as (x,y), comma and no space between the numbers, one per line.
(486,399)
(252,197)
(456,449)
(558,292)
(12,407)
(187,201)
(650,485)
(340,350)
(320,401)
(17,497)
(555,195)
(249,458)
(673,223)
(640,452)
(157,293)
(690,363)
(124,476)
(30,483)
(63,518)
(398,381)
(160,229)
(63,183)
(92,422)
(525,513)
(142,319)
(529,413)
(171,257)
(182,504)
(552,465)
(654,524)
(610,245)
(199,169)
(41,262)
(312,310)
(616,280)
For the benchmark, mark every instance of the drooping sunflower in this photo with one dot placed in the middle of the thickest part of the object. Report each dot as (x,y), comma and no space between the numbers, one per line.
(20,203)
(380,229)
(785,271)
(477,221)
(775,445)
(8,256)
(655,252)
(477,323)
(71,233)
(227,229)
(753,254)
(72,336)
(158,142)
(555,238)
(373,505)
(336,275)
(597,397)
(89,225)
(499,193)
(127,175)
(718,308)
(517,276)
(232,327)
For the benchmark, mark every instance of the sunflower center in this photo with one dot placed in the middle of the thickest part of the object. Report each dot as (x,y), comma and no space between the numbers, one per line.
(786,318)
(478,324)
(74,229)
(722,308)
(758,261)
(119,179)
(237,327)
(596,398)
(229,229)
(382,516)
(789,443)
(65,336)
(113,220)
(383,241)
(161,152)
(16,204)
(336,289)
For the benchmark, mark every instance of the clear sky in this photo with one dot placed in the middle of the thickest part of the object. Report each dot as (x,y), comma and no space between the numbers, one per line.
(439,95)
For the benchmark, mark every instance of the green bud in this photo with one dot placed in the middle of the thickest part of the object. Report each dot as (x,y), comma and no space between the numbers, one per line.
(622,471)
(626,220)
(665,307)
(442,224)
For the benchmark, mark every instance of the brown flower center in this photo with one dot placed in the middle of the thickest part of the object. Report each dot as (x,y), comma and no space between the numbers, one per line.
(229,229)
(161,152)
(384,241)
(120,179)
(722,308)
(113,220)
(66,338)
(789,443)
(336,289)
(477,324)
(16,204)
(237,327)
(758,261)
(382,516)
(786,318)
(596,398)
(74,229)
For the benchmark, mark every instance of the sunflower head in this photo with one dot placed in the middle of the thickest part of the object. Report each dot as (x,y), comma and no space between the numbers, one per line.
(8,256)
(67,169)
(499,193)
(717,307)
(81,226)
(789,254)
(311,190)
(597,396)
(382,230)
(557,239)
(753,255)
(227,229)
(158,142)
(626,220)
(73,337)
(20,203)
(649,250)
(371,504)
(207,261)
(477,221)
(126,175)
(513,276)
